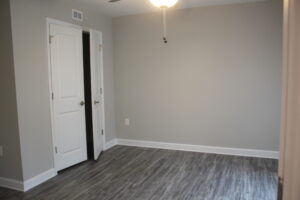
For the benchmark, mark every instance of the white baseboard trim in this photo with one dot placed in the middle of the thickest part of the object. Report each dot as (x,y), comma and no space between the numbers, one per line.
(11,184)
(39,179)
(110,144)
(200,148)
(29,184)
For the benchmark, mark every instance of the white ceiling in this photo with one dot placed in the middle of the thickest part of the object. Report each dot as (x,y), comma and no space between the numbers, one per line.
(130,7)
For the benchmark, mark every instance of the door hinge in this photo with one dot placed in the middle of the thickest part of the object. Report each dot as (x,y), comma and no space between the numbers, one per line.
(52,95)
(56,150)
(100,47)
(102,132)
(101,91)
(50,38)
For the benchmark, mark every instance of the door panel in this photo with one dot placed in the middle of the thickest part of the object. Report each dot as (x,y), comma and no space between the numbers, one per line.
(68,82)
(68,130)
(68,105)
(97,91)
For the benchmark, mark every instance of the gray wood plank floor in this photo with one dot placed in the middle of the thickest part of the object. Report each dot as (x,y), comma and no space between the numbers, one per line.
(132,173)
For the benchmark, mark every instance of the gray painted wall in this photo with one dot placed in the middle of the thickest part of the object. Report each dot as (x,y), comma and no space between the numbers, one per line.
(31,71)
(10,163)
(217,82)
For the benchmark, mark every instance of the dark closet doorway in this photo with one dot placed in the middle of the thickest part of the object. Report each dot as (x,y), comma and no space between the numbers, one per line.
(88,94)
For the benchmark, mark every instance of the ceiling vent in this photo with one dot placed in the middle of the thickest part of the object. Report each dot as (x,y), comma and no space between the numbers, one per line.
(113,1)
(77,15)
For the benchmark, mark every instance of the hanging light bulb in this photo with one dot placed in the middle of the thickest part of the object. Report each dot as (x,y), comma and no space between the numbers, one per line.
(164,5)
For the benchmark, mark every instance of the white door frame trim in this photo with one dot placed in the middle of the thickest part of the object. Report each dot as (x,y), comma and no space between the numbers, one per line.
(59,22)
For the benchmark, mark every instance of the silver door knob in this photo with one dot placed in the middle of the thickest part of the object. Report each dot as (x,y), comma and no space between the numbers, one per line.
(82,103)
(96,102)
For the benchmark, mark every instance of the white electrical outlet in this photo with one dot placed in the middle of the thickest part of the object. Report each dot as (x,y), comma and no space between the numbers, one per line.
(1,150)
(127,122)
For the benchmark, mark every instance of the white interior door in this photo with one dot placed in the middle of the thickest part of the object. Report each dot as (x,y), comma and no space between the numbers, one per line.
(68,96)
(97,91)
